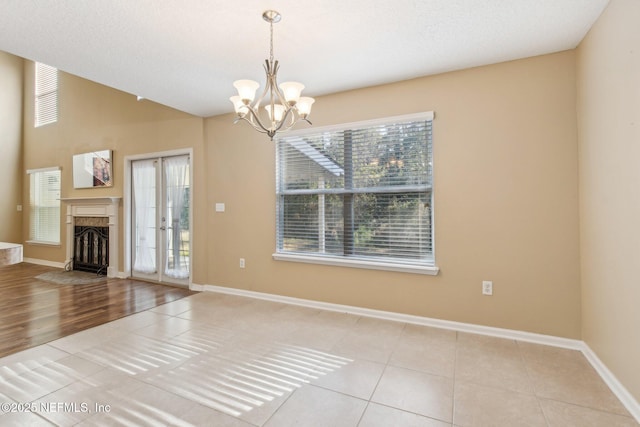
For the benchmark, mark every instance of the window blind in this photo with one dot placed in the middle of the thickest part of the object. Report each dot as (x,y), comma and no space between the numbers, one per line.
(359,191)
(44,205)
(46,94)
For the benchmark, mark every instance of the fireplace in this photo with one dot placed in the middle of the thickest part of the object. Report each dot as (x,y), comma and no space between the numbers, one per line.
(92,234)
(91,244)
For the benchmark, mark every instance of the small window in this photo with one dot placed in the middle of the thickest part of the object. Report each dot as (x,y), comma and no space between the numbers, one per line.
(46,95)
(360,192)
(44,206)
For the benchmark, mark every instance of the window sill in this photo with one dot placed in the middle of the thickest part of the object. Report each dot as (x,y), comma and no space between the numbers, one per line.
(371,265)
(36,242)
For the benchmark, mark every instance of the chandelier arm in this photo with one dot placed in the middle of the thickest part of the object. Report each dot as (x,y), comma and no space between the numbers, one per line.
(295,117)
(253,125)
(254,120)
(277,88)
(295,123)
(267,69)
(272,88)
(287,114)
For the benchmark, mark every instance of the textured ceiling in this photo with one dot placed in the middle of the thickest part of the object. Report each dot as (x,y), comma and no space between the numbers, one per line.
(187,53)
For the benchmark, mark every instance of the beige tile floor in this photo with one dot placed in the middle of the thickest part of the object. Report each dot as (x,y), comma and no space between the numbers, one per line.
(221,360)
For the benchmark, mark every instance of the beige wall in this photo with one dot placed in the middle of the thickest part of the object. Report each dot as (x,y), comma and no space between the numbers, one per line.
(506,201)
(11,72)
(96,117)
(609,129)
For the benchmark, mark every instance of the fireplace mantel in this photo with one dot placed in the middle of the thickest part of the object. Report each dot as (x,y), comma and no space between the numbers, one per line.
(89,200)
(95,207)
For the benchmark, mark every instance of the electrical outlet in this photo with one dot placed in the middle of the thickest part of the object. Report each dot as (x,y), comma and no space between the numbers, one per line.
(19,208)
(487,287)
(241,262)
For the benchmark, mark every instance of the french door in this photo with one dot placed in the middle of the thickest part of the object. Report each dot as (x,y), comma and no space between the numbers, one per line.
(160,220)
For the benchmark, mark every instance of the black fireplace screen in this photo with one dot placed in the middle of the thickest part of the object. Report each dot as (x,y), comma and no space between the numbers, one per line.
(91,249)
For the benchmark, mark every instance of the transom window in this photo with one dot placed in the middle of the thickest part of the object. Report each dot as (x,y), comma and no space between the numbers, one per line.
(360,192)
(46,95)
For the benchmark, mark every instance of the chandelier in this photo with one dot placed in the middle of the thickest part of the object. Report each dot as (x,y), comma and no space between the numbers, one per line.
(285,106)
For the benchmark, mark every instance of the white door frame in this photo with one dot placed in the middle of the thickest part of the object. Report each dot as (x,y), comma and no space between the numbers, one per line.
(127,203)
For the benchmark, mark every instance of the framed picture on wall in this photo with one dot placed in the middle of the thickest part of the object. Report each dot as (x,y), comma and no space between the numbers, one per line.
(92,170)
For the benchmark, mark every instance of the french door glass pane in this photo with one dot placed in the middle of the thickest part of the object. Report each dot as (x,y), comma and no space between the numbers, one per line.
(144,203)
(177,257)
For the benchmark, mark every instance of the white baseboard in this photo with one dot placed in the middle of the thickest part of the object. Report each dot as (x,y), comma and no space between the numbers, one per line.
(44,262)
(629,402)
(196,287)
(407,318)
(616,387)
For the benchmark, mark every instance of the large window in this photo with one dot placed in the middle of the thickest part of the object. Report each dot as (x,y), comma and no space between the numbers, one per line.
(359,194)
(46,94)
(44,206)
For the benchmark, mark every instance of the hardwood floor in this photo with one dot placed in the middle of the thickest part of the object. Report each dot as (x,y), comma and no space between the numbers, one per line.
(33,312)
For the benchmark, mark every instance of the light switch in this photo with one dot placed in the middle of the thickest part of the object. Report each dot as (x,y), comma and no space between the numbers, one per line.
(219,207)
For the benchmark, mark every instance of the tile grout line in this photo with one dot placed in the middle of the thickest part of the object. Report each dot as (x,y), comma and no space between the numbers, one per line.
(453,391)
(533,385)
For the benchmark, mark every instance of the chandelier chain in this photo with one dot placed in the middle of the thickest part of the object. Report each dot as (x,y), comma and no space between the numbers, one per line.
(271,42)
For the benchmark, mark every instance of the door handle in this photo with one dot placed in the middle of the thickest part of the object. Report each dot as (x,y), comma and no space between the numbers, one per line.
(163,228)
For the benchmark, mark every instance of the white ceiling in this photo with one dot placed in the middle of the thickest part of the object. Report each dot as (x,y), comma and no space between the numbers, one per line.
(187,53)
